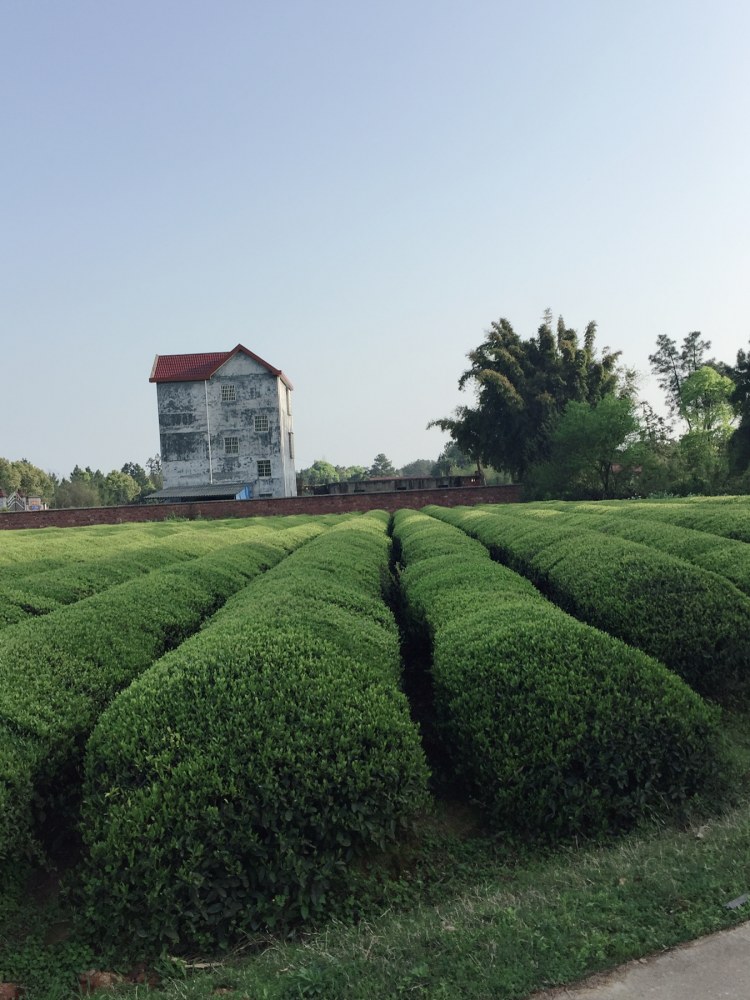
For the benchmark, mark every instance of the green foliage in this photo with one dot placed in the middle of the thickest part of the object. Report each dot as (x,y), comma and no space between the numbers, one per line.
(318,473)
(541,918)
(557,729)
(739,443)
(90,564)
(420,468)
(120,488)
(92,488)
(701,394)
(351,473)
(522,389)
(234,786)
(588,451)
(57,673)
(452,461)
(27,478)
(704,402)
(725,556)
(726,517)
(673,366)
(693,620)
(381,466)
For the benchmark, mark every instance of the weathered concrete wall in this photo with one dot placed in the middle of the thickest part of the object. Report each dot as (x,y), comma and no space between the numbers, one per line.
(413,500)
(195,422)
(286,440)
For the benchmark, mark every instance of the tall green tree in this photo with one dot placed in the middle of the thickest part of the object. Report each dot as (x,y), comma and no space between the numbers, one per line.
(739,443)
(351,473)
(77,493)
(451,459)
(119,488)
(589,451)
(381,466)
(672,365)
(29,479)
(522,388)
(419,468)
(153,465)
(319,472)
(703,451)
(138,473)
(705,402)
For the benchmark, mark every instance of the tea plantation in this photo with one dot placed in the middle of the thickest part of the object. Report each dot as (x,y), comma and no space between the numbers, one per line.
(220,731)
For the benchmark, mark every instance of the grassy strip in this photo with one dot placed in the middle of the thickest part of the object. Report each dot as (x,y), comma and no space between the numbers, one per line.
(551,923)
(694,621)
(490,926)
(235,785)
(557,729)
(59,672)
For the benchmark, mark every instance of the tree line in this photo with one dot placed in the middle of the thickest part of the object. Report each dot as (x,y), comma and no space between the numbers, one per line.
(83,487)
(549,411)
(568,423)
(451,461)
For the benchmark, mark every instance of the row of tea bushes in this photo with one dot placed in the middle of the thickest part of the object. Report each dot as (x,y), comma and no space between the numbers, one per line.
(726,517)
(28,588)
(32,550)
(57,673)
(26,552)
(726,556)
(236,785)
(41,570)
(26,594)
(694,621)
(557,729)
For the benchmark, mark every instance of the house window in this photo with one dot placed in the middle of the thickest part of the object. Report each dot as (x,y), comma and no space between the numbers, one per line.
(261,424)
(228,394)
(288,400)
(291,444)
(264,468)
(231,446)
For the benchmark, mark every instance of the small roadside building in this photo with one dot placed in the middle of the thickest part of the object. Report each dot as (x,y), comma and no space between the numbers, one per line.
(225,421)
(18,502)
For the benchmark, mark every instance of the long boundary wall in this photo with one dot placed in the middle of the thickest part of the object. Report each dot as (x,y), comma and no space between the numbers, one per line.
(413,499)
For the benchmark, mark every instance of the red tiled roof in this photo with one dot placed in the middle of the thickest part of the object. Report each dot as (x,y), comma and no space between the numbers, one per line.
(199,367)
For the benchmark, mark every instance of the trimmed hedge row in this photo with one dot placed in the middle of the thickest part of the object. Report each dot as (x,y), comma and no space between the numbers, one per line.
(28,589)
(233,786)
(58,673)
(728,517)
(28,551)
(694,621)
(557,729)
(726,556)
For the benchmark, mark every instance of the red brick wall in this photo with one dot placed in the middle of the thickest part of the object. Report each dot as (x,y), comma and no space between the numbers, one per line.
(449,497)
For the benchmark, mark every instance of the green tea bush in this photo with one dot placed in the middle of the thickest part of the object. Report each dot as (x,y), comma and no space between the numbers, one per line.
(557,729)
(20,758)
(726,556)
(26,590)
(234,786)
(57,673)
(693,620)
(726,517)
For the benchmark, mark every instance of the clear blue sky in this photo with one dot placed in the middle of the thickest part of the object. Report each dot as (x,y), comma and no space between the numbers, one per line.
(354,191)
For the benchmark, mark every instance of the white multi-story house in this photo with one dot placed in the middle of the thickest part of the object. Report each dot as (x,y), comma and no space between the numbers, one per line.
(225,421)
